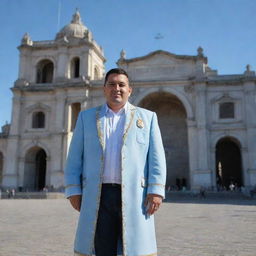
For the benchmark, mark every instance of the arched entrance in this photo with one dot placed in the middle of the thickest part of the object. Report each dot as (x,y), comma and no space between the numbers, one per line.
(35,169)
(172,121)
(228,163)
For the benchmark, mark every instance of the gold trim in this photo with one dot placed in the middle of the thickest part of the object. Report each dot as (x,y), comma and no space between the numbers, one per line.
(155,184)
(80,254)
(128,123)
(99,125)
(73,185)
(100,135)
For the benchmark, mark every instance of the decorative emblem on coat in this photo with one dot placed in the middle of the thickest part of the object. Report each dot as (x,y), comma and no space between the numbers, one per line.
(140,123)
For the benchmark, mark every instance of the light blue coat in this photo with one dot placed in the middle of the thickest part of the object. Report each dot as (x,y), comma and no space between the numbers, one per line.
(143,172)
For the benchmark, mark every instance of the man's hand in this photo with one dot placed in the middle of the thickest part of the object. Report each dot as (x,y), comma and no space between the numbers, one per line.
(76,201)
(152,203)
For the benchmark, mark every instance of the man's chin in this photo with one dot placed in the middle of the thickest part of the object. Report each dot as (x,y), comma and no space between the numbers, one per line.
(117,101)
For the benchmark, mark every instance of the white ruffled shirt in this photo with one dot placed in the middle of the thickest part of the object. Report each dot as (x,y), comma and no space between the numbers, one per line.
(113,136)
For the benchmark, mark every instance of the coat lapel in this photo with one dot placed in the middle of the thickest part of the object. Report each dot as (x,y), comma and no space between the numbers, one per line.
(100,112)
(128,120)
(100,124)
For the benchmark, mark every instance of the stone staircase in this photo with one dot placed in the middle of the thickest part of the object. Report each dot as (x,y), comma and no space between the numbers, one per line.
(33,195)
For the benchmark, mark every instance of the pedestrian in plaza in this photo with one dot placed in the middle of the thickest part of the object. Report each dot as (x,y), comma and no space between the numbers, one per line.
(115,174)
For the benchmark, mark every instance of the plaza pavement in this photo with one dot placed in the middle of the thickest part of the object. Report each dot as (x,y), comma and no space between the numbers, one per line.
(193,227)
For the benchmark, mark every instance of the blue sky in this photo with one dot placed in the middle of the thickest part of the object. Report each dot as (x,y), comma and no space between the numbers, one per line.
(226,29)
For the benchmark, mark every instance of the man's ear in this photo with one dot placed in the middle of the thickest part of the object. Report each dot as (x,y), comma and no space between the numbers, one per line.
(130,91)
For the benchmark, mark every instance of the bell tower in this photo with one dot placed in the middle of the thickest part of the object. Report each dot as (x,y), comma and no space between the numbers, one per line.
(54,84)
(72,57)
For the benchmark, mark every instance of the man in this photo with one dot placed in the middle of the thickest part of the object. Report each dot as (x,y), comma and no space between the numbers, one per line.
(115,174)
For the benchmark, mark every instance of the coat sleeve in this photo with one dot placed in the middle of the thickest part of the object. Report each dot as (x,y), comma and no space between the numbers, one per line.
(74,164)
(156,161)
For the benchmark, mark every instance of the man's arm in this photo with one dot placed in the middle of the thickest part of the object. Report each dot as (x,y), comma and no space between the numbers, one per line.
(157,169)
(74,166)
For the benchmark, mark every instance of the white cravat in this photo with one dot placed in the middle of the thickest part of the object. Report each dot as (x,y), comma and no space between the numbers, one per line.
(113,134)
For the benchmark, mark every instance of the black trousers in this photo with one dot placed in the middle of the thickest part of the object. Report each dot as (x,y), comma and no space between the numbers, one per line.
(109,223)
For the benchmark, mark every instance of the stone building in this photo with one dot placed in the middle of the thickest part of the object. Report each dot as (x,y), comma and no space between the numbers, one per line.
(208,121)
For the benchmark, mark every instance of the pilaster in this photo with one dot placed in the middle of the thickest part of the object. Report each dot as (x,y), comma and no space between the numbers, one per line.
(62,64)
(202,174)
(84,64)
(250,119)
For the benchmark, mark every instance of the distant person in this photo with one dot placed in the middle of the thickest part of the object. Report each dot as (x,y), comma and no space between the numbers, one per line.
(232,186)
(13,193)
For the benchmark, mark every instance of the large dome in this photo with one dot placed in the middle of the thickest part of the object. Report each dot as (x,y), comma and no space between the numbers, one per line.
(75,29)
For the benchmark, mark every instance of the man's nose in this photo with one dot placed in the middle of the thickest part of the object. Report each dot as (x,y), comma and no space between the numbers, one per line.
(117,87)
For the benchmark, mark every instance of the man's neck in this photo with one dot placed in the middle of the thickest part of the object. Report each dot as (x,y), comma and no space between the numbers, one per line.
(116,108)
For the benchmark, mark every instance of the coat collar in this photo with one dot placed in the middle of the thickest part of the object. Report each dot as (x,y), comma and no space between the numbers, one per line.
(100,113)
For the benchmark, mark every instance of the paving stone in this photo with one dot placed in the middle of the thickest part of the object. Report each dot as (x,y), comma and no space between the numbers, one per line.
(184,228)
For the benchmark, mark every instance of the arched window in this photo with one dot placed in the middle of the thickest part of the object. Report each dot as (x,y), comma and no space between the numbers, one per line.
(1,166)
(96,73)
(227,110)
(75,109)
(38,119)
(44,71)
(75,67)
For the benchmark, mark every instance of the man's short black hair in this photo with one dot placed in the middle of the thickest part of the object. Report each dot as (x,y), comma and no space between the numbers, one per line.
(118,71)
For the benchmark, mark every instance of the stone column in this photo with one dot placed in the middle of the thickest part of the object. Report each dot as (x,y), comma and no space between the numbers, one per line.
(21,169)
(56,175)
(62,64)
(10,177)
(60,102)
(16,112)
(212,165)
(84,64)
(202,175)
(192,149)
(22,64)
(250,117)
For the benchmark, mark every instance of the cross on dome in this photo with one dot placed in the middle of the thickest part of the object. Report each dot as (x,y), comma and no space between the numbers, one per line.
(76,19)
(75,29)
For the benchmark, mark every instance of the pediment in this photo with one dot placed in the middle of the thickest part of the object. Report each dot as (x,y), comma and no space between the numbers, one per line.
(160,57)
(225,97)
(161,65)
(38,106)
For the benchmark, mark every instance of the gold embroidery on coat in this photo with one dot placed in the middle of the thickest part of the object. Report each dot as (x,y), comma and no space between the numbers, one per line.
(72,185)
(98,121)
(132,109)
(101,139)
(80,254)
(156,184)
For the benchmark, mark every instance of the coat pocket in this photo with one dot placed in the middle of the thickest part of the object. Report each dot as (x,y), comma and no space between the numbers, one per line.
(141,137)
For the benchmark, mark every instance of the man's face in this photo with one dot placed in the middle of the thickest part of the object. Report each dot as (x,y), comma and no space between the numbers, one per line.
(117,90)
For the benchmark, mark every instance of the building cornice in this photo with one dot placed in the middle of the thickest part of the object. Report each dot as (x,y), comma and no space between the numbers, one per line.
(181,57)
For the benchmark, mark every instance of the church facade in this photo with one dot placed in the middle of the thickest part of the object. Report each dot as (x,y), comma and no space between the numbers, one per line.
(208,121)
